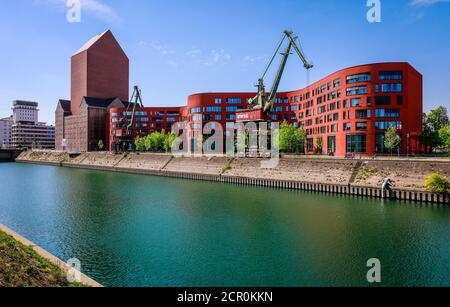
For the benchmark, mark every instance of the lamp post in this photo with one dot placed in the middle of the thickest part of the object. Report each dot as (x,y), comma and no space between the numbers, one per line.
(409,145)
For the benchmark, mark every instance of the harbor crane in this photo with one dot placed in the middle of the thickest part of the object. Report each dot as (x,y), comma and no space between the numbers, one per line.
(126,132)
(262,104)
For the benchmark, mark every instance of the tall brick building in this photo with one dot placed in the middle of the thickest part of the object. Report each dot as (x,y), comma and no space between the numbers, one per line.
(99,82)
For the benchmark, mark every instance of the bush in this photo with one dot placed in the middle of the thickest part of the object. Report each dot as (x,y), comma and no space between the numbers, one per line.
(437,183)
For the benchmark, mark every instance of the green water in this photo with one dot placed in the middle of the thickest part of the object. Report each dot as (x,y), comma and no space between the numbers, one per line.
(130,230)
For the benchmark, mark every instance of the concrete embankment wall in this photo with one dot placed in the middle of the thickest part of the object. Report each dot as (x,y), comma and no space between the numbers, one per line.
(340,176)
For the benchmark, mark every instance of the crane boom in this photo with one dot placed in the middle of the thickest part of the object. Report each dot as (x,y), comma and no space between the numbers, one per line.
(300,53)
(262,104)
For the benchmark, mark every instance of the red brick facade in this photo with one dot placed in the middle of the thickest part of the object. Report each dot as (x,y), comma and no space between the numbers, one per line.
(349,111)
(99,81)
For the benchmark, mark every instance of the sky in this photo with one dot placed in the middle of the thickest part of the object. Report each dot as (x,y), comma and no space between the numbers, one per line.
(181,47)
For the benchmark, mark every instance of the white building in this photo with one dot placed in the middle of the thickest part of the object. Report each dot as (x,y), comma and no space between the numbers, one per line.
(6,132)
(23,129)
(25,111)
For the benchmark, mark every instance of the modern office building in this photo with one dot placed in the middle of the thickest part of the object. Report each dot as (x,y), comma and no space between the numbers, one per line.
(36,136)
(347,112)
(23,130)
(6,132)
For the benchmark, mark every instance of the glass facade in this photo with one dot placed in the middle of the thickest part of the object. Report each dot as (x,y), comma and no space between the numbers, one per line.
(357,143)
(358,78)
(391,75)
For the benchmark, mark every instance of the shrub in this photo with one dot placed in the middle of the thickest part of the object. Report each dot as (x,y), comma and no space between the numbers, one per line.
(226,167)
(437,183)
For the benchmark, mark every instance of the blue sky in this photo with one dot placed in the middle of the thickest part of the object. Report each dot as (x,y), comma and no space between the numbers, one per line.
(179,47)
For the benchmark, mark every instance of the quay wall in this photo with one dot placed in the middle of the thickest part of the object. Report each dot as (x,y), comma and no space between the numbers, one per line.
(326,175)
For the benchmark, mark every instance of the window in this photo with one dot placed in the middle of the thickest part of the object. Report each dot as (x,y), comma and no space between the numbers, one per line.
(231,117)
(196,110)
(345,103)
(361,126)
(337,83)
(392,88)
(357,143)
(356,102)
(387,113)
(386,125)
(356,90)
(347,126)
(294,108)
(382,100)
(391,75)
(279,109)
(362,114)
(234,101)
(213,109)
(233,109)
(399,100)
(358,78)
(321,110)
(310,145)
(218,101)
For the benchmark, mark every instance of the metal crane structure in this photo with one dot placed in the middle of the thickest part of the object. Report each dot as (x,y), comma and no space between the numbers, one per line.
(262,104)
(126,133)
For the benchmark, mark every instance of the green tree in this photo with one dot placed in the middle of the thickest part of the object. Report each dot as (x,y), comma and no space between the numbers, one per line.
(438,118)
(444,136)
(101,145)
(437,183)
(433,122)
(168,142)
(392,139)
(292,140)
(139,143)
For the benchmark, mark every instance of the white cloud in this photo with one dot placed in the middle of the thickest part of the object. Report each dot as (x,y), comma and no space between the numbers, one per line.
(156,46)
(252,59)
(194,52)
(94,7)
(218,57)
(426,2)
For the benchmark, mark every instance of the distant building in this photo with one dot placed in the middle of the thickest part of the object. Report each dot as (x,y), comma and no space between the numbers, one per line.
(6,132)
(99,82)
(25,129)
(25,111)
(38,136)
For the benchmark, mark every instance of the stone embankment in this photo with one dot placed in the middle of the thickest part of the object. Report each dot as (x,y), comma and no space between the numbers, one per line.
(354,177)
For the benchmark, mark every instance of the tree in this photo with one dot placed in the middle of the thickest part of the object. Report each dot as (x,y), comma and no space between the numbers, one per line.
(392,139)
(292,140)
(438,118)
(101,145)
(168,142)
(139,143)
(437,184)
(433,122)
(444,136)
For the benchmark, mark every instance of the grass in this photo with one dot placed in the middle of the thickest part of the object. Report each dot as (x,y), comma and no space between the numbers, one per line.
(21,266)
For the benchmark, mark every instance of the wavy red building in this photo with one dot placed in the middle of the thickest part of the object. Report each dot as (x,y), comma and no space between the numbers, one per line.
(347,112)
